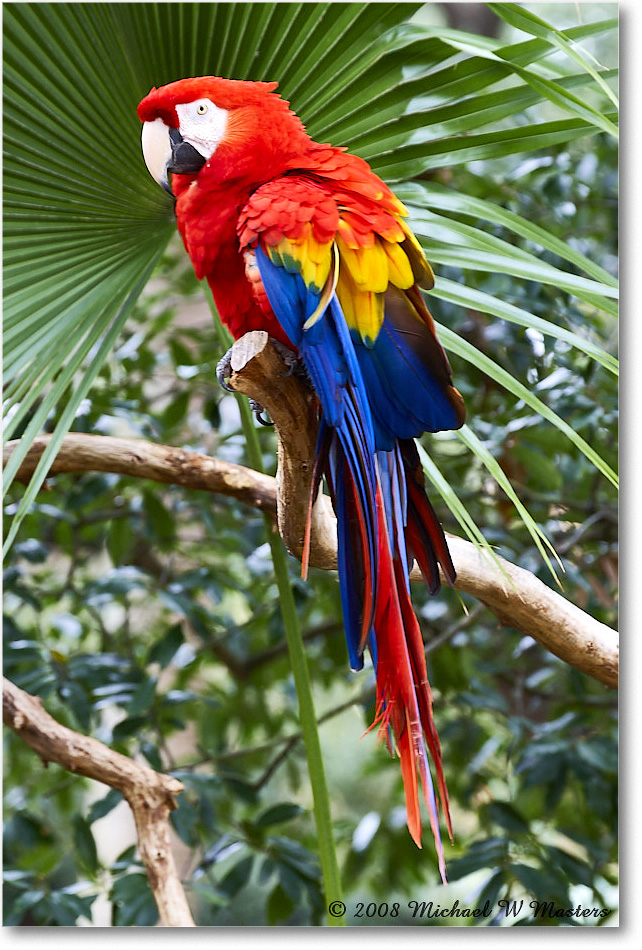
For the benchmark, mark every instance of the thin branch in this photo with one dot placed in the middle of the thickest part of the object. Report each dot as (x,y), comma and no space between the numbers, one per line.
(565,545)
(241,669)
(514,595)
(278,760)
(150,795)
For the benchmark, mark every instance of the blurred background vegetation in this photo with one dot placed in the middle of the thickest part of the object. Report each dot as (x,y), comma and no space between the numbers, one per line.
(149,617)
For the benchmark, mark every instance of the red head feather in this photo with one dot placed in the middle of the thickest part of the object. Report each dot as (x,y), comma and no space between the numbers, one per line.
(226,93)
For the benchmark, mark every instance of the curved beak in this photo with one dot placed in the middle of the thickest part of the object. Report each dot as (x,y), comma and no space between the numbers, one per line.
(157,151)
(165,151)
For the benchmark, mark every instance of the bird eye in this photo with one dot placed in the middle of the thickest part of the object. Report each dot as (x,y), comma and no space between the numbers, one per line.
(201,108)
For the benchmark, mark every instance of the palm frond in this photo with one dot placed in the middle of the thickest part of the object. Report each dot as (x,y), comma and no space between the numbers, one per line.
(492,369)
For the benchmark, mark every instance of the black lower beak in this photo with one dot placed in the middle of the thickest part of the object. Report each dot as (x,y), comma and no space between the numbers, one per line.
(185,159)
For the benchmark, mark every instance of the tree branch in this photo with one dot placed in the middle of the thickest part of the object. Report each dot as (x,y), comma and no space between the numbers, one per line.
(150,795)
(516,596)
(160,463)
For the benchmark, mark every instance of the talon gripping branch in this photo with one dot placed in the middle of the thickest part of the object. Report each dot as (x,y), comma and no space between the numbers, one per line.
(306,242)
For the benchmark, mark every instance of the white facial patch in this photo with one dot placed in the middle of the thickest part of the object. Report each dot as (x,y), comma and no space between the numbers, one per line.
(202,124)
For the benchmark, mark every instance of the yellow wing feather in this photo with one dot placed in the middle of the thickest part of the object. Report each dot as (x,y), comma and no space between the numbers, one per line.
(361,274)
(304,256)
(362,308)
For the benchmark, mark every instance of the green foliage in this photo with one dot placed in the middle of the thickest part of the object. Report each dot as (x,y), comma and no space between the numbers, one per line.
(149,616)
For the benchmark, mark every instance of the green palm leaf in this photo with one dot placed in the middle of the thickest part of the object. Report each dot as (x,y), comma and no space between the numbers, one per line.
(530,23)
(470,297)
(451,242)
(439,198)
(454,90)
(492,369)
(542,543)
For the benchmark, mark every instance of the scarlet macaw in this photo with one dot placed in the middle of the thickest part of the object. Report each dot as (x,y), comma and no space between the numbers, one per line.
(304,241)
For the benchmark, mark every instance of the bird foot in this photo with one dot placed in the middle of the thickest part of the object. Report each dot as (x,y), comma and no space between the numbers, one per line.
(295,365)
(224,370)
(258,411)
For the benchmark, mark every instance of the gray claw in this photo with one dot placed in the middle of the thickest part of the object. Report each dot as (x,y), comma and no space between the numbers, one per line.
(224,370)
(258,411)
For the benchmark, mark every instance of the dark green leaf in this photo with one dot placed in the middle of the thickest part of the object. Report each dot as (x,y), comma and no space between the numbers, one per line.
(130,726)
(162,521)
(143,697)
(134,904)
(15,914)
(482,854)
(506,816)
(104,805)
(33,551)
(119,539)
(279,905)
(175,412)
(543,885)
(164,650)
(85,843)
(276,814)
(237,877)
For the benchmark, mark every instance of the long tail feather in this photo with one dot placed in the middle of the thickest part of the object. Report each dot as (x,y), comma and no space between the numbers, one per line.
(403,690)
(424,533)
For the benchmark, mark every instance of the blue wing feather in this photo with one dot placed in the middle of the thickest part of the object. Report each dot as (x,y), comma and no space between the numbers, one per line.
(405,396)
(328,353)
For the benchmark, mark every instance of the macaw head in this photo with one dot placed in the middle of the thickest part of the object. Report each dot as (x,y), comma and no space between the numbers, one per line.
(223,129)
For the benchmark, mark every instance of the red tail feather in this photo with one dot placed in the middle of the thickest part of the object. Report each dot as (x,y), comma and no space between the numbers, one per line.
(409,775)
(403,692)
(424,533)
